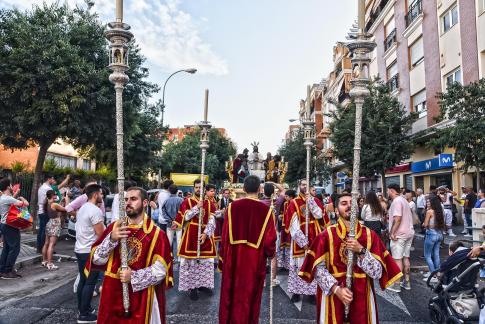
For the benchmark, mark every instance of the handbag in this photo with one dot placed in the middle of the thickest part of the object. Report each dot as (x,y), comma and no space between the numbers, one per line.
(19,217)
(466,305)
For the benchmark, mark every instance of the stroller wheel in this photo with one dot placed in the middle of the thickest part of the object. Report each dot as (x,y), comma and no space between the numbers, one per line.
(435,314)
(453,320)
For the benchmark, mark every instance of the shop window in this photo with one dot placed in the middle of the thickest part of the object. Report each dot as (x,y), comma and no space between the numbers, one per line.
(408,182)
(86,164)
(393,180)
(62,161)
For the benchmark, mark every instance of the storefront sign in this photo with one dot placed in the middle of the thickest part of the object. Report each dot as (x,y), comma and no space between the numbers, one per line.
(399,168)
(442,161)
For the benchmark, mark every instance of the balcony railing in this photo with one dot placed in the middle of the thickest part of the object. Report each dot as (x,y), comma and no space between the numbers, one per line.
(390,39)
(393,83)
(414,11)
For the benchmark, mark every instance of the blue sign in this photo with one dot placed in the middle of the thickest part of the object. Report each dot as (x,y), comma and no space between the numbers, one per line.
(443,161)
(341,175)
(340,185)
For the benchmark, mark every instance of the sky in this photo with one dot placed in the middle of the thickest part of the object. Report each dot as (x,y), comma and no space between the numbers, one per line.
(256,57)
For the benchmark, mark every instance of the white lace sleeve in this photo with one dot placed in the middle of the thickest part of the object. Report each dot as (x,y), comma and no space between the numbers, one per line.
(102,251)
(370,265)
(192,213)
(296,234)
(314,208)
(150,276)
(324,279)
(211,226)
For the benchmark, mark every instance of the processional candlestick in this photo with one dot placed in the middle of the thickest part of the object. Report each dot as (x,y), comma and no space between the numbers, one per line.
(360,49)
(119,38)
(308,137)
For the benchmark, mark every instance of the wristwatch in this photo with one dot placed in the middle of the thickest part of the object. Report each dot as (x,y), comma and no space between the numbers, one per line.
(363,251)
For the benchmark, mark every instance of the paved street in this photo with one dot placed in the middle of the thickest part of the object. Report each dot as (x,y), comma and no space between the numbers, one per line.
(47,297)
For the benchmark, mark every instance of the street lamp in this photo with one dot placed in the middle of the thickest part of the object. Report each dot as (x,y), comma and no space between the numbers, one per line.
(293,120)
(191,71)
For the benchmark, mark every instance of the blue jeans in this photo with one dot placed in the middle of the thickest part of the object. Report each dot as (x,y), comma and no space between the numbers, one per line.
(86,285)
(432,243)
(468,219)
(11,248)
(43,219)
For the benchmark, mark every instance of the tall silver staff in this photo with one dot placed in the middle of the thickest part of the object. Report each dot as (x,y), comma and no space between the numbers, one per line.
(119,37)
(308,125)
(204,145)
(360,48)
(271,275)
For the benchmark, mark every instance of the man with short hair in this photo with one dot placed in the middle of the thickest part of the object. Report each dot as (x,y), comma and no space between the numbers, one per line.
(197,272)
(248,240)
(222,206)
(446,196)
(89,227)
(421,207)
(170,210)
(470,201)
(75,190)
(11,235)
(42,216)
(401,232)
(149,272)
(295,223)
(326,263)
(163,196)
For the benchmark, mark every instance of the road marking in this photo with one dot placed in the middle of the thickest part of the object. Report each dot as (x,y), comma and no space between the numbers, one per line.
(391,297)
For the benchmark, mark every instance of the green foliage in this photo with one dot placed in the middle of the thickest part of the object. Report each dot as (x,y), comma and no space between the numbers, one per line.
(465,105)
(18,167)
(385,132)
(295,154)
(185,156)
(50,166)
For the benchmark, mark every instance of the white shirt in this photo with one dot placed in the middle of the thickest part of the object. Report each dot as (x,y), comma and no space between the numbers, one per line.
(87,216)
(42,195)
(115,208)
(421,201)
(162,198)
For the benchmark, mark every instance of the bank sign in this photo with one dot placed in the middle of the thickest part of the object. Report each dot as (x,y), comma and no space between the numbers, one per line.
(442,161)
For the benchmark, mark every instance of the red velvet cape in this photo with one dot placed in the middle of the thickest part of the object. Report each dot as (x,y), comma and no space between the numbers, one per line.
(297,208)
(248,239)
(285,237)
(188,247)
(149,244)
(328,248)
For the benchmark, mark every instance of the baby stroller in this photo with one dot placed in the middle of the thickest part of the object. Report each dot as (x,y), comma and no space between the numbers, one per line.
(457,299)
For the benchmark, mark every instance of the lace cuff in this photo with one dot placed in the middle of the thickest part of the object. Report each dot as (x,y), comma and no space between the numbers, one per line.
(211,227)
(102,251)
(192,213)
(324,279)
(371,266)
(151,276)
(314,208)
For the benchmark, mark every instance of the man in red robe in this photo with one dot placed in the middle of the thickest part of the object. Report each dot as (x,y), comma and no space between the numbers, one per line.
(326,263)
(248,240)
(197,272)
(285,237)
(150,266)
(295,225)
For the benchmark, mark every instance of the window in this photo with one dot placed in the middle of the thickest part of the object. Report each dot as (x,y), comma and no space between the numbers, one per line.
(393,77)
(419,103)
(453,77)
(391,70)
(415,9)
(416,52)
(86,164)
(390,26)
(449,19)
(63,161)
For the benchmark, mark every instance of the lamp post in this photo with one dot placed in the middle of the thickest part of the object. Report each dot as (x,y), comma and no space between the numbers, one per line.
(191,71)
(360,49)
(308,137)
(119,37)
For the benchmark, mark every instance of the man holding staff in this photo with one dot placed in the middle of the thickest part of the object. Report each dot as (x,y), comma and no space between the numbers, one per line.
(326,264)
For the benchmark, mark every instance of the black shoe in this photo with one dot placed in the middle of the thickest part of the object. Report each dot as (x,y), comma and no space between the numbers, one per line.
(295,298)
(89,318)
(9,276)
(206,290)
(312,300)
(194,294)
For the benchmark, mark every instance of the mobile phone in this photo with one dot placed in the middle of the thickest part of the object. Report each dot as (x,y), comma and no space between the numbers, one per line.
(16,187)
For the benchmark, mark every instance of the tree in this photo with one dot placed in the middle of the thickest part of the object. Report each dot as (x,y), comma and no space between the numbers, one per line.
(385,132)
(465,107)
(185,156)
(54,82)
(295,154)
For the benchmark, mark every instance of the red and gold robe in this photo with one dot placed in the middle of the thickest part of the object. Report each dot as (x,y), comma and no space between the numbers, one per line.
(188,247)
(146,245)
(328,247)
(296,208)
(248,239)
(285,237)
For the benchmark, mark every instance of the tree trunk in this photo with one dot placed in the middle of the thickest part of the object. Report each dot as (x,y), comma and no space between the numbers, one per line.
(384,186)
(478,178)
(38,179)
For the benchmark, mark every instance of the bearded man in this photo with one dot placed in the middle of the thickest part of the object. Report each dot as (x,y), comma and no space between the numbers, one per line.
(149,271)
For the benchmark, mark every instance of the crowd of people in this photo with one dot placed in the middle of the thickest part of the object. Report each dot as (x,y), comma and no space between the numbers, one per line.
(300,232)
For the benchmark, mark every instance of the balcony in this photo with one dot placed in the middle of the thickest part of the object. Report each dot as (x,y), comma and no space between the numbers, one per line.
(390,40)
(415,10)
(393,83)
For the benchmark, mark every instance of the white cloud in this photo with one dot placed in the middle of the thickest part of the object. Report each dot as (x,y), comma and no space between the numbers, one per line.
(169,37)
